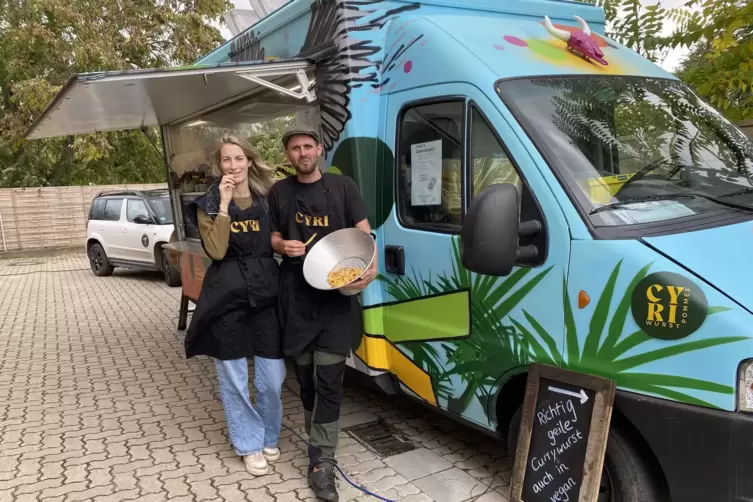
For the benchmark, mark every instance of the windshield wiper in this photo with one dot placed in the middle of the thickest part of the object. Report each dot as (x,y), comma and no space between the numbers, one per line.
(647,198)
(738,192)
(674,196)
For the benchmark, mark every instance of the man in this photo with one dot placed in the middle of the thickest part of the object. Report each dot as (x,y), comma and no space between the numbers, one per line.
(317,325)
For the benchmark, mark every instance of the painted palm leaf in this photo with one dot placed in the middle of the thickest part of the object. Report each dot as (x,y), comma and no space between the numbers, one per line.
(605,353)
(492,347)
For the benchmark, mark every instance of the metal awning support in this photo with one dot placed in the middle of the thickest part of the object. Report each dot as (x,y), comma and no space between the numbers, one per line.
(306,92)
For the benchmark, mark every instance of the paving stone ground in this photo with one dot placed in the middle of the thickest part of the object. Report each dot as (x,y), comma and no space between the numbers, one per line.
(97,402)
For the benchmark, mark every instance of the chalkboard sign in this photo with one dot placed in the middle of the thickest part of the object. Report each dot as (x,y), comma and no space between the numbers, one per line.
(563,436)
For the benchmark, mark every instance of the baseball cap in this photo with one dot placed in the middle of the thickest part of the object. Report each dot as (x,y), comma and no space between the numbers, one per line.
(296,132)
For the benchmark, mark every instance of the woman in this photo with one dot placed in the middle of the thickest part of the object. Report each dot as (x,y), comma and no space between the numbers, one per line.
(235,318)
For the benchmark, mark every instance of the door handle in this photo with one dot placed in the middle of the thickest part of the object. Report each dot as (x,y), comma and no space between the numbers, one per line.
(394,259)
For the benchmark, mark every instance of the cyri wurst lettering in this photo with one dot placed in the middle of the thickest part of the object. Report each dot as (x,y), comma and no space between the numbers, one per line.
(246,226)
(668,306)
(312,221)
(656,309)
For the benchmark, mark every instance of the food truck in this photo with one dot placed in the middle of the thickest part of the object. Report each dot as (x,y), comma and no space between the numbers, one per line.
(632,198)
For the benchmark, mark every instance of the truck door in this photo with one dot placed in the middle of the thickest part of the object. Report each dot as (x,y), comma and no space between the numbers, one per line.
(456,335)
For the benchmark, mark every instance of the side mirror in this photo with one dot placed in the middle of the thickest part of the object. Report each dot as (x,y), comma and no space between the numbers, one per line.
(142,220)
(491,232)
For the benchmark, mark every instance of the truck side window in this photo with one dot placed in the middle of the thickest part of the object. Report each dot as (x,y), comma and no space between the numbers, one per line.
(490,161)
(430,166)
(112,209)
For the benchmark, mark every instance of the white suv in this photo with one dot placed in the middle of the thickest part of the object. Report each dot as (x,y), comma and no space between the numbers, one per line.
(127,229)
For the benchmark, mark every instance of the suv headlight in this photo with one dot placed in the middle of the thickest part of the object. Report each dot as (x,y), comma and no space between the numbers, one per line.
(745,386)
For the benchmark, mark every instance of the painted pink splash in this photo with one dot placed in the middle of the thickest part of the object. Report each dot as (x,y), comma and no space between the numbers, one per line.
(499,47)
(408,66)
(515,41)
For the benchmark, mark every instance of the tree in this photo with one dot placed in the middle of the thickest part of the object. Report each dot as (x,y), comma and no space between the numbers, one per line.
(718,32)
(44,42)
(637,26)
(720,64)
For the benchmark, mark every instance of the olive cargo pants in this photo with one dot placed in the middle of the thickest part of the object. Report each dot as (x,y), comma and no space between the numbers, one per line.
(320,375)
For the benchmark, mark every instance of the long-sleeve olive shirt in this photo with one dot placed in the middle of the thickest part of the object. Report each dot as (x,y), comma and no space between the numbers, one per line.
(216,233)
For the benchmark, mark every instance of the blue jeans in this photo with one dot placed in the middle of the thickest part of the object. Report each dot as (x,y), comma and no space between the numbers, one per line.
(251,430)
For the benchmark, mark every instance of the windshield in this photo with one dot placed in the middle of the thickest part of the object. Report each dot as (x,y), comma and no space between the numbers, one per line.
(161,208)
(634,150)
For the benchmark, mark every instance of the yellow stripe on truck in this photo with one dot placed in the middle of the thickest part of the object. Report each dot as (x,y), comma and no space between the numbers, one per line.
(380,354)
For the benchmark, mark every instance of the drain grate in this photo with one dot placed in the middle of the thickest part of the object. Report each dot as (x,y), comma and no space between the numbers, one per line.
(384,439)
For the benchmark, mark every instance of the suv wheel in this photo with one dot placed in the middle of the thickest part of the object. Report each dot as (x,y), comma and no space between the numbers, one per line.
(172,278)
(98,261)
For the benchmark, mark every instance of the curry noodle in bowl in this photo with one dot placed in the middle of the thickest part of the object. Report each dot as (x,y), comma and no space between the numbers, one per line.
(343,276)
(339,259)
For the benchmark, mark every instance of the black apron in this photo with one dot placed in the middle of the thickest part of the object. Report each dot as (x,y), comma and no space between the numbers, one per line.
(236,314)
(312,319)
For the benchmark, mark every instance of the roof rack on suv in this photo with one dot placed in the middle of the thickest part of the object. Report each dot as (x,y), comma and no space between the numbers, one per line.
(120,192)
(137,193)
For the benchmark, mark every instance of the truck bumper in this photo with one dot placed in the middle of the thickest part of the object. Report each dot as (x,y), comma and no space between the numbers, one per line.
(706,455)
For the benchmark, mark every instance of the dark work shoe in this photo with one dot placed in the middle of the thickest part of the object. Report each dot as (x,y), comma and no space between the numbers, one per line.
(322,481)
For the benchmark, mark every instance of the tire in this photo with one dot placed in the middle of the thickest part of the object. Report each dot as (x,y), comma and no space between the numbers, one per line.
(626,477)
(98,261)
(172,278)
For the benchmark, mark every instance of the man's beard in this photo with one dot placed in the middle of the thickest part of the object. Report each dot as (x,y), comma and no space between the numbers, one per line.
(305,169)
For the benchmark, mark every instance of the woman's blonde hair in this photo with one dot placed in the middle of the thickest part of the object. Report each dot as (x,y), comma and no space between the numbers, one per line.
(259,172)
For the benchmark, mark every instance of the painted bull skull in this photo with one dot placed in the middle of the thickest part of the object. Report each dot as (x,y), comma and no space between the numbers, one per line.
(578,41)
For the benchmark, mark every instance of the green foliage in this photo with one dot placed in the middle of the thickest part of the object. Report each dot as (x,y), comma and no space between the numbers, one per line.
(44,42)
(268,141)
(720,66)
(718,32)
(637,26)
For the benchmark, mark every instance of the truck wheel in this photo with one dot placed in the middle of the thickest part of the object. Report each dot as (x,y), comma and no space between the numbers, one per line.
(625,478)
(98,261)
(172,278)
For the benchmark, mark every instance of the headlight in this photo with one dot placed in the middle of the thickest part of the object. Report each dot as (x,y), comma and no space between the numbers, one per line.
(745,386)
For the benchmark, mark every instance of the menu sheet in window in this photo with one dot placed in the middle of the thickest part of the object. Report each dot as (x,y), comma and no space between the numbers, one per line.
(426,173)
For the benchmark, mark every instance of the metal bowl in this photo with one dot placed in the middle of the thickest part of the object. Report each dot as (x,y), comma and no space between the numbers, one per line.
(349,247)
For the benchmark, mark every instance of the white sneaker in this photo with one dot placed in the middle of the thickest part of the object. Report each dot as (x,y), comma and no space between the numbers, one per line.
(256,464)
(271,453)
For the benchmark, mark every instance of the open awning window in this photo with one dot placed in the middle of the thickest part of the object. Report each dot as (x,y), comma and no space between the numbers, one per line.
(109,101)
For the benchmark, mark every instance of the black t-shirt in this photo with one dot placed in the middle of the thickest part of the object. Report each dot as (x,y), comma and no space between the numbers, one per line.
(342,188)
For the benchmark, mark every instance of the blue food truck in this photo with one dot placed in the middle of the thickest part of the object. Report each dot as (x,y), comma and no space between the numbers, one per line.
(610,248)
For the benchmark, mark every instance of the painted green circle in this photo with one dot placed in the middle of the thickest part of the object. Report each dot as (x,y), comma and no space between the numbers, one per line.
(370,162)
(334,170)
(544,49)
(669,306)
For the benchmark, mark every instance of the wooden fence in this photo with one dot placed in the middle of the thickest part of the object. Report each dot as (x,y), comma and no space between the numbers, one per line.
(52,217)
